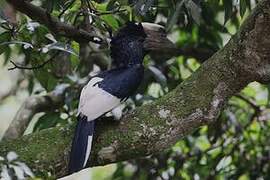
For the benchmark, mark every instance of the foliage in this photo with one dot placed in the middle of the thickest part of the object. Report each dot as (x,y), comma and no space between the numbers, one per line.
(235,147)
(12,168)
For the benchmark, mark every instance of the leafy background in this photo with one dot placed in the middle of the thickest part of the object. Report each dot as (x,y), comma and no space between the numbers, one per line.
(236,146)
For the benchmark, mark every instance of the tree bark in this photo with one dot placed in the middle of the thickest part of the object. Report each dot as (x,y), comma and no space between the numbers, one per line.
(154,127)
(41,15)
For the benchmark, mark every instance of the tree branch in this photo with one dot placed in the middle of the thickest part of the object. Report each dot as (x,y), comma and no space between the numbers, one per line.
(154,127)
(31,106)
(16,66)
(39,14)
(161,48)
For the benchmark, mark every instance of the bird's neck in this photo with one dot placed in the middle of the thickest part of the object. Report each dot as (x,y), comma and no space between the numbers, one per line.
(129,62)
(133,63)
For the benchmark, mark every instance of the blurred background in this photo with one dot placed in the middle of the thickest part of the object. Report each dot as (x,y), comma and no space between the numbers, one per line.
(236,146)
(10,99)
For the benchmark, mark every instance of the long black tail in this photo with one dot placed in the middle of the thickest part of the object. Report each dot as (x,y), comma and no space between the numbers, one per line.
(81,145)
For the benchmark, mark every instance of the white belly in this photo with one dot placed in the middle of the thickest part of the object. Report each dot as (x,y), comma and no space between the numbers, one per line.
(94,101)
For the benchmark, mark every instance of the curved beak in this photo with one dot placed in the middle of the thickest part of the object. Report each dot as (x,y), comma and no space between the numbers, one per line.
(157,42)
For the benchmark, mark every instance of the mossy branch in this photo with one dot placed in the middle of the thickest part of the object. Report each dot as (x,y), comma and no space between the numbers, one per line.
(154,127)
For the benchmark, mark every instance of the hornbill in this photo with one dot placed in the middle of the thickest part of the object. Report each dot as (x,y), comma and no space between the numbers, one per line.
(108,89)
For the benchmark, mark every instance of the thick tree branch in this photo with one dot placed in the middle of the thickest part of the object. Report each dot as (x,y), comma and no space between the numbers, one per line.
(161,48)
(156,126)
(39,14)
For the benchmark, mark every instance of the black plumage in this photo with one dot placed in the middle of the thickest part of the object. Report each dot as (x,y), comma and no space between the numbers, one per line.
(127,45)
(122,82)
(80,139)
(106,90)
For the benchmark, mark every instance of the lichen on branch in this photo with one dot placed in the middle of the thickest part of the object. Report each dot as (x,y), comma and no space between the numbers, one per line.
(156,126)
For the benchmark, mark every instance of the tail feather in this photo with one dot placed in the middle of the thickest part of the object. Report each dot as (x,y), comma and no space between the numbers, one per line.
(81,145)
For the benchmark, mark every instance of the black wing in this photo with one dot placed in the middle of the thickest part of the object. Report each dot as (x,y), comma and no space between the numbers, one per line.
(122,82)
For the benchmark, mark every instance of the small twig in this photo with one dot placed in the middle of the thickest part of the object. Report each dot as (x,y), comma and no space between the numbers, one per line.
(76,17)
(66,8)
(63,29)
(33,67)
(89,6)
(93,6)
(108,29)
(100,13)
(257,109)
(176,13)
(86,13)
(251,103)
(5,27)
(118,10)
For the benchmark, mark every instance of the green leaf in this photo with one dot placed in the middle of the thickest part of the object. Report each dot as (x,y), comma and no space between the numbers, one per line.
(101,6)
(47,120)
(4,37)
(45,78)
(50,5)
(142,6)
(26,45)
(75,59)
(7,55)
(228,7)
(173,19)
(214,2)
(194,10)
(59,46)
(111,21)
(51,83)
(243,7)
(248,3)
(111,5)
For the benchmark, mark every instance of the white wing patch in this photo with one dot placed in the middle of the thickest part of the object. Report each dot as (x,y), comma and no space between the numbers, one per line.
(89,145)
(94,101)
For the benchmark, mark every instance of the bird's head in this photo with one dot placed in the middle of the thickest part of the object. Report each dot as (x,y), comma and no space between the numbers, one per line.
(127,46)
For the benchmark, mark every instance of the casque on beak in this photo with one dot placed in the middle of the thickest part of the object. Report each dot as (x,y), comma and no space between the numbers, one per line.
(156,43)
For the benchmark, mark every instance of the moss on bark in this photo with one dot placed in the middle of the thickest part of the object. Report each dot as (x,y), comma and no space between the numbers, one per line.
(156,126)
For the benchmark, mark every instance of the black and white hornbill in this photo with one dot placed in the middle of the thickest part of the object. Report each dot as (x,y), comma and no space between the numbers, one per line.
(108,89)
